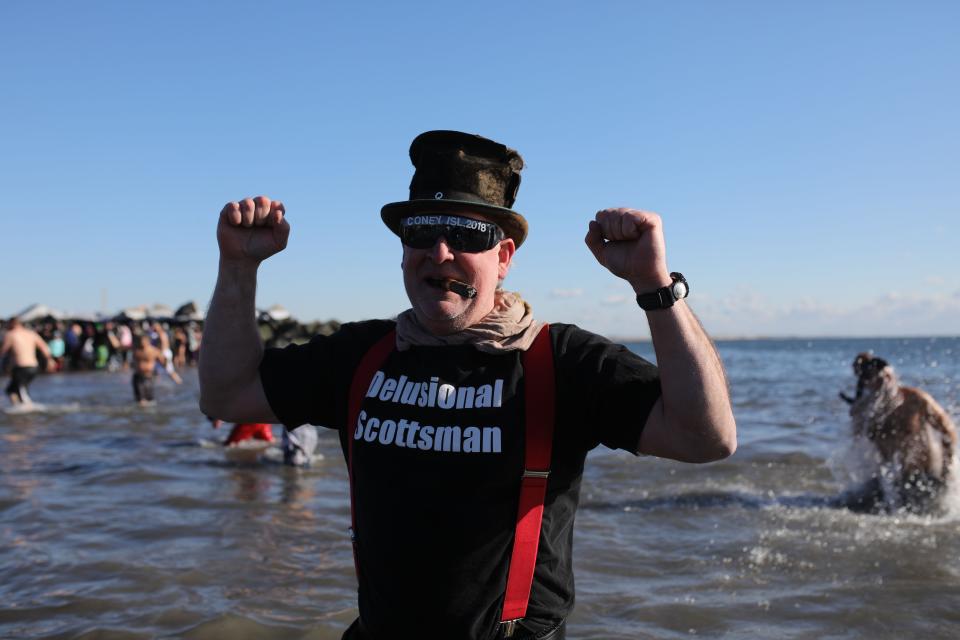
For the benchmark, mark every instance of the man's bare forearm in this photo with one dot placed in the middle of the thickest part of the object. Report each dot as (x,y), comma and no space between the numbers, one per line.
(248,232)
(231,349)
(695,400)
(692,421)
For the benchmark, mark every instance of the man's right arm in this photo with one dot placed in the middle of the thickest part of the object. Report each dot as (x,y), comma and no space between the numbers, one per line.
(248,232)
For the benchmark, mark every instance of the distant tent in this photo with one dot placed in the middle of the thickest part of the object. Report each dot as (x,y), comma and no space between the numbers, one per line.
(82,316)
(278,313)
(39,312)
(160,312)
(136,314)
(188,312)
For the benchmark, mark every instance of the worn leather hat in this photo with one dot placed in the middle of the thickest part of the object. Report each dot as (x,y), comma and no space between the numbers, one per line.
(462,173)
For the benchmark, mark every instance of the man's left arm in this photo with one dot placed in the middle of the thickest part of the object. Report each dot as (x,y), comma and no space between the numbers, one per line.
(4,349)
(45,350)
(693,420)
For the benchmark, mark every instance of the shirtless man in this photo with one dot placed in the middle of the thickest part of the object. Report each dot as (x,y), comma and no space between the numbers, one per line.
(23,344)
(145,359)
(913,437)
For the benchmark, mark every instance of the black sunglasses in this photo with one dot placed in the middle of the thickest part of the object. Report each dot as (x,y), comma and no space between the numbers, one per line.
(461,234)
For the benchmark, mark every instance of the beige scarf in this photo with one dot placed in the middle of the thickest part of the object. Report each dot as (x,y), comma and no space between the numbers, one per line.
(510,326)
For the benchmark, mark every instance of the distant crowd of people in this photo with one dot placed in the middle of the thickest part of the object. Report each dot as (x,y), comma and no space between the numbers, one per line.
(83,345)
(148,347)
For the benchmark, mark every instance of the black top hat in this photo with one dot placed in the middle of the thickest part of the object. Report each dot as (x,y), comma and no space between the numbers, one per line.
(462,173)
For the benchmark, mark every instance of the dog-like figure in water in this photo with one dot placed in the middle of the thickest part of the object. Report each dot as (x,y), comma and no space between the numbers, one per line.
(913,437)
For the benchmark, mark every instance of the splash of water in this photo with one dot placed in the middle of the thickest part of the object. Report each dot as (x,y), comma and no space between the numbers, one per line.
(877,486)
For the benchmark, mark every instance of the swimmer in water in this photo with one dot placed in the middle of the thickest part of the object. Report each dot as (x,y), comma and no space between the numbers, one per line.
(249,431)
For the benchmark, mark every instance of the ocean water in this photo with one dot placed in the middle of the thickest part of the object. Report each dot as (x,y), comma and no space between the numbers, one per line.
(116,523)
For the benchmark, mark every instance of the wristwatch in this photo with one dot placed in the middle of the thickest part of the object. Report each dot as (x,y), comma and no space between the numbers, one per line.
(664,297)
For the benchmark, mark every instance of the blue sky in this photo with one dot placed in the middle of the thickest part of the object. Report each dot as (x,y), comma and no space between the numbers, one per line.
(804,156)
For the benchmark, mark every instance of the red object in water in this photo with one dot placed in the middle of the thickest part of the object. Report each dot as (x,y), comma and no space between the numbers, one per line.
(249,431)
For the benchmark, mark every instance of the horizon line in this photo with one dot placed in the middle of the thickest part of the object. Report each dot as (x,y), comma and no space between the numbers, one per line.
(759,338)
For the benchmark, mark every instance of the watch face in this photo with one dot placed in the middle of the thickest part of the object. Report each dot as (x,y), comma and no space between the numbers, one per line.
(680,290)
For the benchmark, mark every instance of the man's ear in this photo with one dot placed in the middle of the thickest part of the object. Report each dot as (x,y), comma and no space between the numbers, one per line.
(505,257)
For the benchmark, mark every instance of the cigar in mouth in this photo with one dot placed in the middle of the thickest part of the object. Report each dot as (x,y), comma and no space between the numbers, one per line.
(462,289)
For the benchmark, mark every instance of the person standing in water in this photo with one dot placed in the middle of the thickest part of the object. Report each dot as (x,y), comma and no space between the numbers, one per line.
(145,360)
(465,422)
(23,344)
(164,345)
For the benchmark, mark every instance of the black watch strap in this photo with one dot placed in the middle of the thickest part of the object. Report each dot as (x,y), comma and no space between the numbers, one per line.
(665,297)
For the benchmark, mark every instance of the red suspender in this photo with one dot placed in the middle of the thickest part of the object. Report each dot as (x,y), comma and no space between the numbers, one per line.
(539,394)
(371,361)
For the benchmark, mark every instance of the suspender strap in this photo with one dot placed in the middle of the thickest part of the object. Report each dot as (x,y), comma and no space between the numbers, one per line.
(371,361)
(539,392)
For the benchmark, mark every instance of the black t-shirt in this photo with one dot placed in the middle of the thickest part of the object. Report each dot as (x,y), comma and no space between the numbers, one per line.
(438,455)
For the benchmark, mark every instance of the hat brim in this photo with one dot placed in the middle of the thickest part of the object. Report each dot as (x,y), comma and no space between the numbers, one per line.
(513,224)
